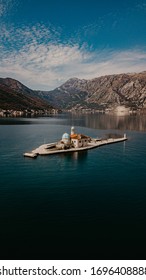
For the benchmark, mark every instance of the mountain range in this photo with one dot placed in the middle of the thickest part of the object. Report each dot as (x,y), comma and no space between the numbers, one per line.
(106,92)
(102,93)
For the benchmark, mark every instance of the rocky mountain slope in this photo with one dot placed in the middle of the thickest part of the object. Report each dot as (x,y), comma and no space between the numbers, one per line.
(103,93)
(106,92)
(16,96)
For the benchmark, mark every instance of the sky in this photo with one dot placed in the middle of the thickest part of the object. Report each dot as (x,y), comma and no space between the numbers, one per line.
(43,43)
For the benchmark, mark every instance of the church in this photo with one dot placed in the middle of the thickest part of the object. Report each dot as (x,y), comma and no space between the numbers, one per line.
(75,140)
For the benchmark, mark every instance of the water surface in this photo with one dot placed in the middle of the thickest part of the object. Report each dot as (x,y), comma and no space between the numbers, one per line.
(88,205)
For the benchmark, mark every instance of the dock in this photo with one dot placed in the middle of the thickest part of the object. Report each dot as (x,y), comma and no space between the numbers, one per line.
(30,154)
(50,149)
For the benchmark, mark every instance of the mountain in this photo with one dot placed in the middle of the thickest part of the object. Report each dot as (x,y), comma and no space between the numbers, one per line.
(103,93)
(16,96)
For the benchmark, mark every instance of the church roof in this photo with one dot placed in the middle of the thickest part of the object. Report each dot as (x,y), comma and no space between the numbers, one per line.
(79,136)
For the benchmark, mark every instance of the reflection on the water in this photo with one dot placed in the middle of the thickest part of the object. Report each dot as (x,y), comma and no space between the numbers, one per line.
(75,156)
(105,121)
(95,121)
(124,146)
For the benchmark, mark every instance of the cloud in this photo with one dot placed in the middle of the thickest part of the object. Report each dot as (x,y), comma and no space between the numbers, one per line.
(3,7)
(6,6)
(141,6)
(36,56)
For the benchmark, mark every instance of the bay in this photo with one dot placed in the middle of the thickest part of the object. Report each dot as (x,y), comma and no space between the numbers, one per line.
(85,205)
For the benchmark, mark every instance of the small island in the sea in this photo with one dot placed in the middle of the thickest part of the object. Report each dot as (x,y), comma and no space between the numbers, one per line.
(73,142)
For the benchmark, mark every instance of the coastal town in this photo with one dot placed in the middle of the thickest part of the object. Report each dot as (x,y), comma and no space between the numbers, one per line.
(25,113)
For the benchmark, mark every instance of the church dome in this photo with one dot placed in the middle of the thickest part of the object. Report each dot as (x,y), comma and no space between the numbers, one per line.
(65,136)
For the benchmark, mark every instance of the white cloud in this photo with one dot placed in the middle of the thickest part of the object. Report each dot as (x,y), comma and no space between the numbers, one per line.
(36,57)
(6,6)
(141,6)
(3,7)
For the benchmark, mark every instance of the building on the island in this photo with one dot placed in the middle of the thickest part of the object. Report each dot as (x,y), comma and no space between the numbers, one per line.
(66,138)
(73,140)
(78,140)
(72,130)
(64,143)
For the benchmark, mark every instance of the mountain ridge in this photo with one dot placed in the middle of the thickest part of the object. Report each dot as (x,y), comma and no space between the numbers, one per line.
(101,93)
(16,96)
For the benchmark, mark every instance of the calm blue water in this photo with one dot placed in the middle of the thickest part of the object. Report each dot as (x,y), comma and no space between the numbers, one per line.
(88,205)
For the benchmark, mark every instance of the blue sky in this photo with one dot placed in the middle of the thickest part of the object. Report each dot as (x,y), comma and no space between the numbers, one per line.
(45,42)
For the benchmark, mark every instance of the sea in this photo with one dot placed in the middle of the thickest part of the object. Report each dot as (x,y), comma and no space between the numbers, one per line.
(81,205)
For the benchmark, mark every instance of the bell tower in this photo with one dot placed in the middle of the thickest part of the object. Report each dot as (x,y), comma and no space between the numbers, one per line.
(72,130)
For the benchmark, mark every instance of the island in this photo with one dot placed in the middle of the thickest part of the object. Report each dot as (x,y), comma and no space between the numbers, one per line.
(72,142)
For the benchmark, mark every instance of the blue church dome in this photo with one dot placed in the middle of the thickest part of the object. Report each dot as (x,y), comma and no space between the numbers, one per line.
(65,136)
